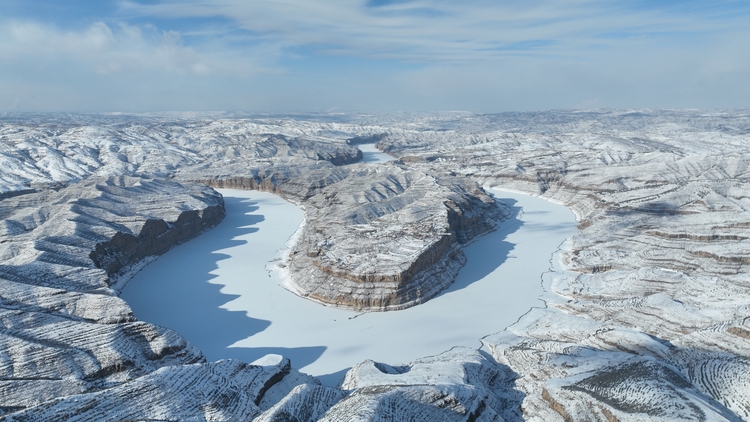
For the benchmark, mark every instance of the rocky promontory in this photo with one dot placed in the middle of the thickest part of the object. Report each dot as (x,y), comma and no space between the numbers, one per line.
(646,314)
(376,237)
(387,237)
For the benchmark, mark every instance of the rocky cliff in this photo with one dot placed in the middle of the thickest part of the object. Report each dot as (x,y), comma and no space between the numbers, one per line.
(646,316)
(64,331)
(388,238)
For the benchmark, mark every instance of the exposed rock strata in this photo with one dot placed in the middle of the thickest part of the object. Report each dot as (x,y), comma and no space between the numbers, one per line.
(63,332)
(75,238)
(155,237)
(388,238)
(647,315)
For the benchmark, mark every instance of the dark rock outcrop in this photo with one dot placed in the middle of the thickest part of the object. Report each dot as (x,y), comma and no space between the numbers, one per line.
(155,237)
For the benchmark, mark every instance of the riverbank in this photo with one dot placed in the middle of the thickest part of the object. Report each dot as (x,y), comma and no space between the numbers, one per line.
(217,293)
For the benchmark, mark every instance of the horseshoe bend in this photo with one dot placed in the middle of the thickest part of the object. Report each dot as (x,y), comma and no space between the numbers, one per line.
(646,305)
(383,238)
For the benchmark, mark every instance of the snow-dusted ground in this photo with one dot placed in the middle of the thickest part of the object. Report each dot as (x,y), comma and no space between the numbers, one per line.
(216,291)
(649,321)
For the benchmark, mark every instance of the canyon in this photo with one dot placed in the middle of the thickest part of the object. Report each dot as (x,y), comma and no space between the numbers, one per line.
(224,292)
(646,310)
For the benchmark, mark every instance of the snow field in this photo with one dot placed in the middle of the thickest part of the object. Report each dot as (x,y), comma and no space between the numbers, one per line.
(217,291)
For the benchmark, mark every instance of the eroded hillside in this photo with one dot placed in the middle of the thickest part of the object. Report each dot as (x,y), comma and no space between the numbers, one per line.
(647,315)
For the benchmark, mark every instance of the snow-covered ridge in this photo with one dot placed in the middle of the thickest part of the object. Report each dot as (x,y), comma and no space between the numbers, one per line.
(653,324)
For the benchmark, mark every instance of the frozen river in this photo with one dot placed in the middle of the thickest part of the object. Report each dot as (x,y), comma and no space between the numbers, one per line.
(370,154)
(218,293)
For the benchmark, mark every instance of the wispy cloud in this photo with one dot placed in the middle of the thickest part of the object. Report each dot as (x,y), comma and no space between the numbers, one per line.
(483,55)
(442,30)
(104,49)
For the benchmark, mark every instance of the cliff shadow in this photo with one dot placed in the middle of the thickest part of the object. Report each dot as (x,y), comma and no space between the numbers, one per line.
(176,292)
(488,252)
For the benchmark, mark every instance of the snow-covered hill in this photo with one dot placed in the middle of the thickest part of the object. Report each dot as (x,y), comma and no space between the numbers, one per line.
(648,312)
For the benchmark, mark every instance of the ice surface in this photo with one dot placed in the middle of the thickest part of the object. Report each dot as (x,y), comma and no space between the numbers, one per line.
(216,291)
(370,154)
(648,317)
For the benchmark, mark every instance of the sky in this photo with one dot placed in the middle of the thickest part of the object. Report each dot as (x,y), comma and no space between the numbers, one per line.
(372,55)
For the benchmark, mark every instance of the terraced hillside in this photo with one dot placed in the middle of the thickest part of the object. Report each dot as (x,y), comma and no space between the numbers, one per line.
(648,309)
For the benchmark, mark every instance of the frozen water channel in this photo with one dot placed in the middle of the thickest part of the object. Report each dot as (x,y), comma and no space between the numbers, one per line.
(220,293)
(370,154)
(216,291)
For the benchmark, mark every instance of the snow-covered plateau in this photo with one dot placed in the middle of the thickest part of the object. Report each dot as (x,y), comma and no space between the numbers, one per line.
(243,313)
(647,305)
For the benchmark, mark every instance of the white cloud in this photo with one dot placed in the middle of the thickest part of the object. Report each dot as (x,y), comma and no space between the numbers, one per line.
(442,30)
(98,48)
(286,55)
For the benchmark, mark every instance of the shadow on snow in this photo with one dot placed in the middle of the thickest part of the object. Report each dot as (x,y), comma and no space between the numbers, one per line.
(488,252)
(193,305)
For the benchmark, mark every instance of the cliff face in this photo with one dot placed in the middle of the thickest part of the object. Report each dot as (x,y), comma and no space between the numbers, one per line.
(296,180)
(429,272)
(155,237)
(646,319)
(64,332)
(387,237)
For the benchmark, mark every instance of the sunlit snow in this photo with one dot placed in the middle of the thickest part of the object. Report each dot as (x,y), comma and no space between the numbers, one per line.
(217,291)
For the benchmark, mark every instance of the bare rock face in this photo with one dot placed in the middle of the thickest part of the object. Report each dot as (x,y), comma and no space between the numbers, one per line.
(296,180)
(76,238)
(388,238)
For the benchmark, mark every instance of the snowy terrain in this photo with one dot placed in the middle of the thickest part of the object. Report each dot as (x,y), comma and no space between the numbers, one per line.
(647,314)
(500,282)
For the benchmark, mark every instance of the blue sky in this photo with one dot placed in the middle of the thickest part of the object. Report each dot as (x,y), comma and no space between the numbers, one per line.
(372,55)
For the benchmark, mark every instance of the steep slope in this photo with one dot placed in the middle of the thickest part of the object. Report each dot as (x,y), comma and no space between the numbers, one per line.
(388,238)
(647,314)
